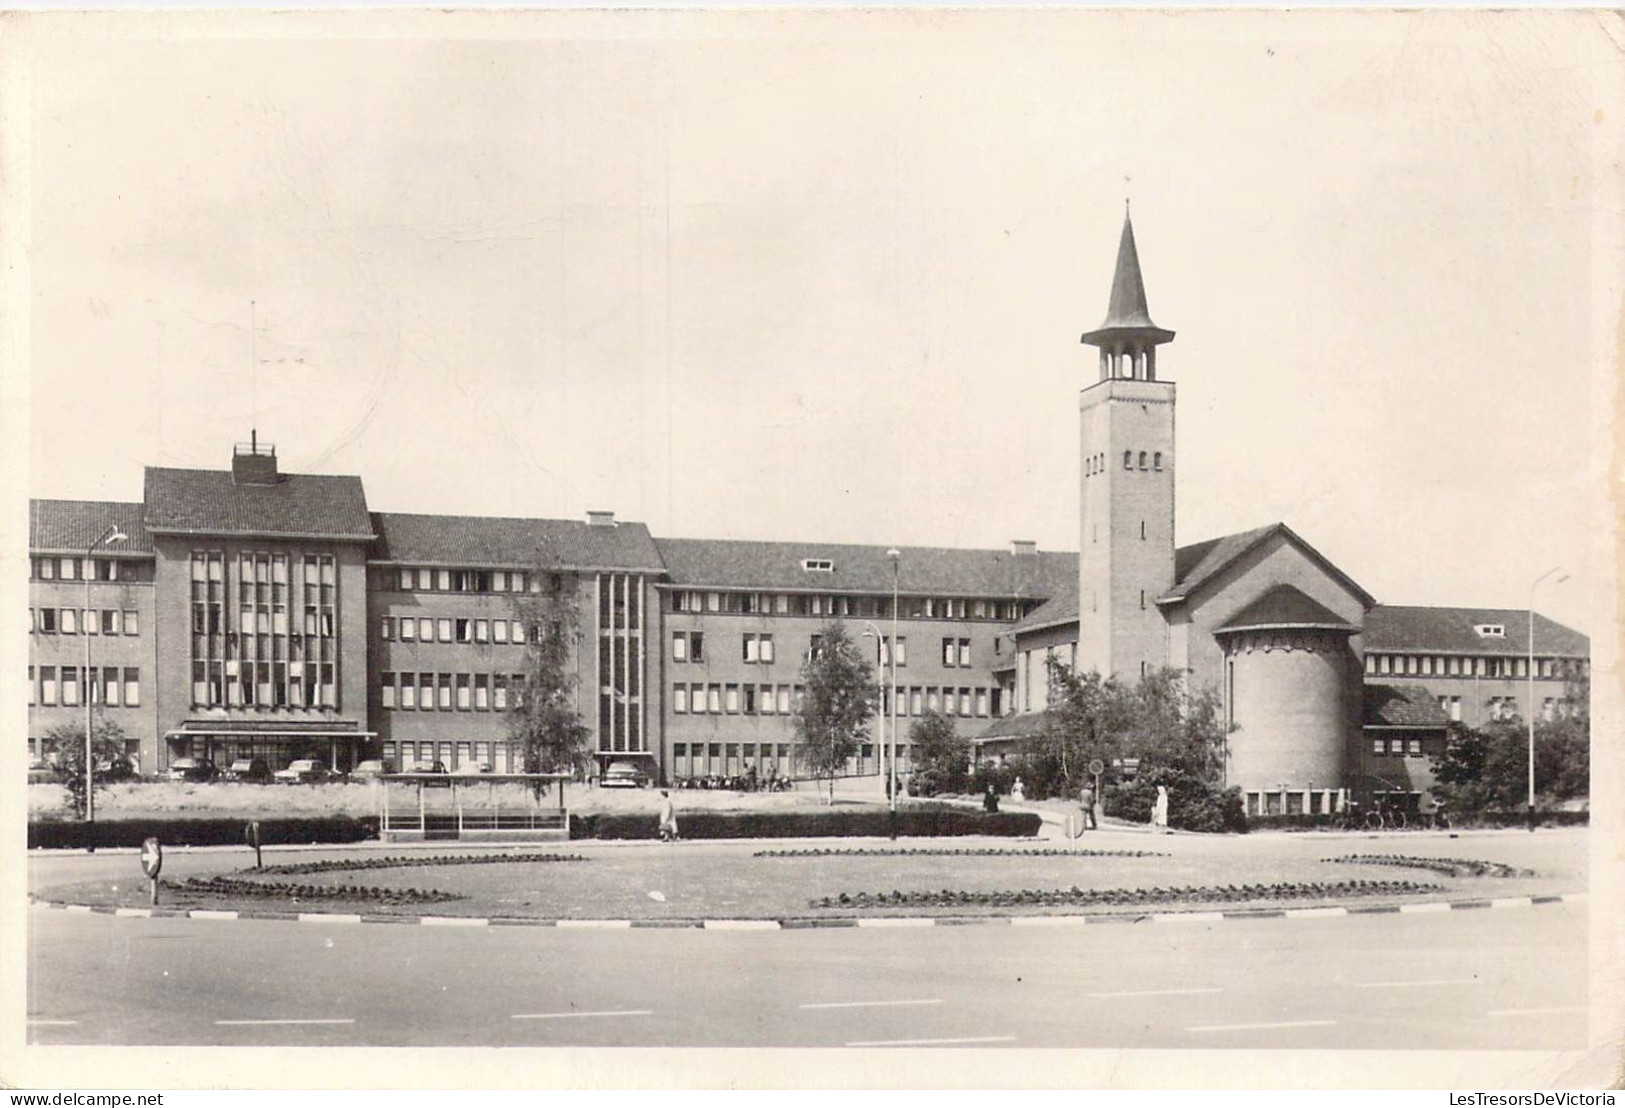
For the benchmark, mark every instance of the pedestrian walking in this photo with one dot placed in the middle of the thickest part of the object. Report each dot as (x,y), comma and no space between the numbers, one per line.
(990,799)
(668,818)
(1087,799)
(1159,811)
(1018,791)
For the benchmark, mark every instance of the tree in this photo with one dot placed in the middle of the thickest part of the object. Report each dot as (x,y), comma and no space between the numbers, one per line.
(542,718)
(939,753)
(64,745)
(839,695)
(1089,716)
(1488,769)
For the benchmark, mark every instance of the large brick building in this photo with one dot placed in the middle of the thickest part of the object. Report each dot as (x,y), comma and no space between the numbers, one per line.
(249,612)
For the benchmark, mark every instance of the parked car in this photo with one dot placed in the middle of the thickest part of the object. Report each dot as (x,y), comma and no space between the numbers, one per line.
(426,767)
(115,769)
(472,769)
(42,773)
(371,769)
(190,769)
(623,775)
(252,771)
(305,771)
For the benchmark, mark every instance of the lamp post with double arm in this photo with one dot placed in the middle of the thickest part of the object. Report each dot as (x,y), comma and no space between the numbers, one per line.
(109,537)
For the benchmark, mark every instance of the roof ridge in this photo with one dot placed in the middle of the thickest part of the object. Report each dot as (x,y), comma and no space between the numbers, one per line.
(868,546)
(505,519)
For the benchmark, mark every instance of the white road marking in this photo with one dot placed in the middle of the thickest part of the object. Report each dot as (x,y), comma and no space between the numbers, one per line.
(1498,1012)
(76,907)
(328,917)
(53,1023)
(579,1015)
(1412,984)
(594,923)
(275,1023)
(1152,992)
(454,921)
(210,913)
(741,925)
(870,1003)
(936,1042)
(1262,1026)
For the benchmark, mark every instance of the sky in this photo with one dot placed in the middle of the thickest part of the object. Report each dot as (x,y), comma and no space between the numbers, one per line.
(790,276)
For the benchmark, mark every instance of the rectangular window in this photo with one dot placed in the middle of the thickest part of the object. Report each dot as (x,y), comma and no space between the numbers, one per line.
(1371,663)
(1427,666)
(47,621)
(70,568)
(713,699)
(482,630)
(132,687)
(464,630)
(499,630)
(445,692)
(679,646)
(425,629)
(696,646)
(1384,663)
(47,569)
(784,700)
(409,629)
(765,700)
(443,580)
(387,687)
(90,621)
(733,699)
(748,701)
(964,702)
(499,692)
(981,702)
(132,623)
(409,691)
(443,624)
(386,629)
(47,686)
(964,653)
(679,699)
(950,652)
(32,693)
(70,686)
(1413,747)
(70,621)
(1378,746)
(749,645)
(482,692)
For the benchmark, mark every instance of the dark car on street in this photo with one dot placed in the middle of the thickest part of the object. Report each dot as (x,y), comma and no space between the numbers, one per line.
(305,771)
(190,769)
(371,769)
(252,771)
(113,770)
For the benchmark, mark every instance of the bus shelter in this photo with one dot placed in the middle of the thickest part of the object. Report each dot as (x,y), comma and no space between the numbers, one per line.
(485,807)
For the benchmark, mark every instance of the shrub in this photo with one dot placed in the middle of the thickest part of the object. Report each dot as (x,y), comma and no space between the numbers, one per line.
(913,821)
(1193,805)
(199,832)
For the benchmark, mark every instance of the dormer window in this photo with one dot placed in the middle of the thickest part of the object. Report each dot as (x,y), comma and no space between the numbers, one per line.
(818,565)
(1491,630)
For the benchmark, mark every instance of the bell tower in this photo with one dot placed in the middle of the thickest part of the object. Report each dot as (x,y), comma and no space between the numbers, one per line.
(1126,545)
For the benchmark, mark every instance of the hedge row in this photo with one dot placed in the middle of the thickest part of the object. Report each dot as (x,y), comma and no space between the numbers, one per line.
(200,832)
(922,821)
(1458,821)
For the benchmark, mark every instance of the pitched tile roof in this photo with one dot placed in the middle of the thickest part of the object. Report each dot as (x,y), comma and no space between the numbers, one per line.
(1060,608)
(209,502)
(922,570)
(1286,606)
(70,526)
(1451,631)
(1199,563)
(504,541)
(1020,726)
(1402,706)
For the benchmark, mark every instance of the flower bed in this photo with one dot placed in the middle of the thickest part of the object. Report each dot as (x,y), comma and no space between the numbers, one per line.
(1445,867)
(1076,897)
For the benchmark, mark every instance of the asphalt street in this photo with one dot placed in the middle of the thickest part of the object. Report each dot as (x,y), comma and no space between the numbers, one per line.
(1510,978)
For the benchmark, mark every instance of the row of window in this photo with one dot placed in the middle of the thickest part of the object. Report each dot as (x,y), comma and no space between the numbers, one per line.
(82,569)
(767,700)
(499,757)
(427,579)
(871,607)
(1409,748)
(447,692)
(456,629)
(1096,463)
(110,686)
(94,621)
(208,618)
(1429,665)
(264,684)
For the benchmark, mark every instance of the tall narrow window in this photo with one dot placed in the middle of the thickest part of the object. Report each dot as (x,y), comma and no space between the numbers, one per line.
(1142,459)
(1156,461)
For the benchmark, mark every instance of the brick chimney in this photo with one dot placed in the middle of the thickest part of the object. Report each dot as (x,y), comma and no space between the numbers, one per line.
(1020,547)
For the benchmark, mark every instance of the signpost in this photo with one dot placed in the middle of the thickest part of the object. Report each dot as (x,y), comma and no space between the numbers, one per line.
(152,863)
(251,836)
(1096,767)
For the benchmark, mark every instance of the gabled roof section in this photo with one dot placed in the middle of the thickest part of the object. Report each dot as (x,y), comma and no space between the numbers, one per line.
(922,570)
(1286,606)
(209,502)
(515,543)
(1402,628)
(1024,725)
(1402,706)
(1197,564)
(70,526)
(1058,610)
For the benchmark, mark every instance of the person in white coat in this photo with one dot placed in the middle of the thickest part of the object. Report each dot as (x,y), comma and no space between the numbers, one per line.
(668,818)
(1159,811)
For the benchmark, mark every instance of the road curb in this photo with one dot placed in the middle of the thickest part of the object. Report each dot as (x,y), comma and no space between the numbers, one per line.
(804,923)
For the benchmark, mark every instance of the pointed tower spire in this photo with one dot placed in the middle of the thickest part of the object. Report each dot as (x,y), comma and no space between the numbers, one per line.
(1128,336)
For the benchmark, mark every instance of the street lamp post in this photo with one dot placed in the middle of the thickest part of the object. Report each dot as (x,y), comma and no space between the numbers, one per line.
(896,557)
(109,537)
(873,632)
(1530,713)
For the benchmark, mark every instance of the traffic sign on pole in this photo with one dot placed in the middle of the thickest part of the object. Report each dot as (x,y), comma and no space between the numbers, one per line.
(152,863)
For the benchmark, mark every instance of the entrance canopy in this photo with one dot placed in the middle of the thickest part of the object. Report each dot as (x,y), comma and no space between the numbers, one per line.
(278,743)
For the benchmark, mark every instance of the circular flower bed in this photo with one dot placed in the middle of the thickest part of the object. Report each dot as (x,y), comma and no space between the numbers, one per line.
(284,890)
(403,861)
(1076,897)
(1445,867)
(980,852)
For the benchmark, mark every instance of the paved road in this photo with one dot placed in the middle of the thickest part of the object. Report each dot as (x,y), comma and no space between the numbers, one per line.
(1504,978)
